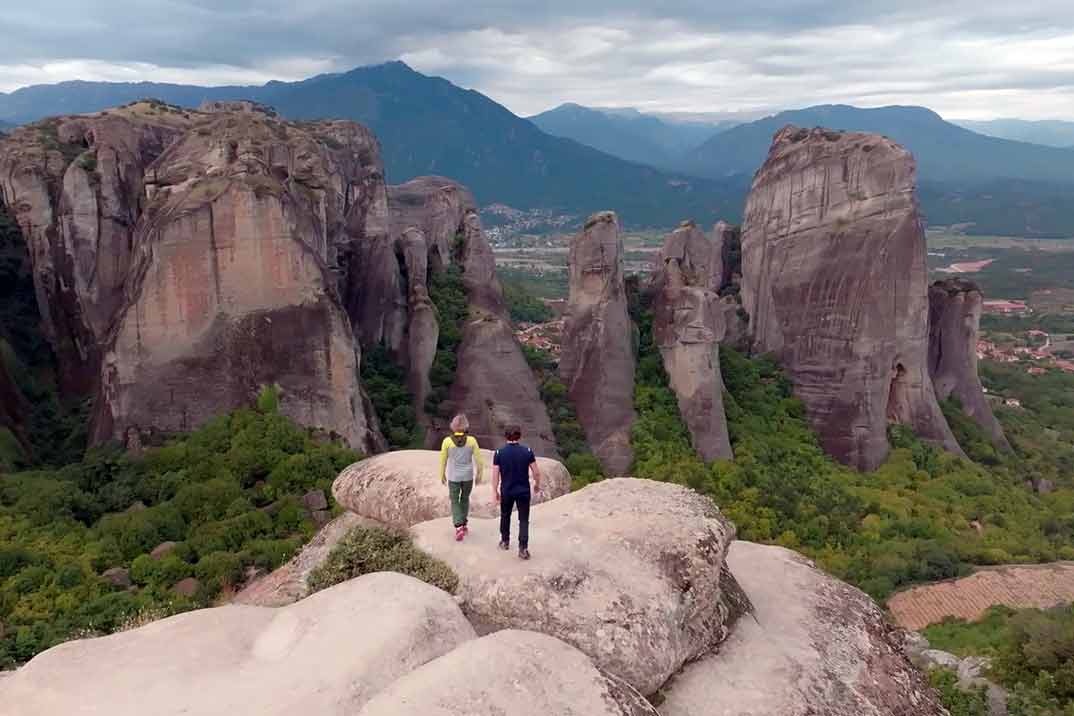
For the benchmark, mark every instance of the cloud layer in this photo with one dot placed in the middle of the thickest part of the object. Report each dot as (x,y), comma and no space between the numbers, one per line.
(965,59)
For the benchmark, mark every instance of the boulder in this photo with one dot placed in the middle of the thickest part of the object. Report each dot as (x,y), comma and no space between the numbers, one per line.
(510,672)
(187,587)
(814,645)
(597,363)
(687,328)
(162,550)
(328,654)
(315,500)
(403,488)
(117,577)
(939,659)
(954,319)
(231,283)
(628,571)
(835,285)
(288,583)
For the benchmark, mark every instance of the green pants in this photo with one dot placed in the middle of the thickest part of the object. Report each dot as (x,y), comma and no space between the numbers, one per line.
(460,501)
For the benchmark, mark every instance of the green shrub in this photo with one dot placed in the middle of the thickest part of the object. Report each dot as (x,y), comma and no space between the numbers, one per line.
(371,549)
(960,703)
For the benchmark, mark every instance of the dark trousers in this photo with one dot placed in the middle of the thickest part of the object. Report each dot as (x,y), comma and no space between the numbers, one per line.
(507,503)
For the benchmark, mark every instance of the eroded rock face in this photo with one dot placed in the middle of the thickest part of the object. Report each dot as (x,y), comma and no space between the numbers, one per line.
(231,287)
(688,327)
(437,218)
(242,659)
(954,318)
(834,282)
(628,571)
(509,672)
(403,488)
(813,645)
(76,186)
(597,364)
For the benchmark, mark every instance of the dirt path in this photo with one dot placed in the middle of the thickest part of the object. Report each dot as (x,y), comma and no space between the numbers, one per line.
(1019,586)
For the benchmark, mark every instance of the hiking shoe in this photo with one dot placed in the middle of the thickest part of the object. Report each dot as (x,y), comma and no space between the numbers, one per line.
(460,532)
(504,546)
(465,530)
(523,553)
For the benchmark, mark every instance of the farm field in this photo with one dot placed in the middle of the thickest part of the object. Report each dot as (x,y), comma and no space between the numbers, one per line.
(1016,586)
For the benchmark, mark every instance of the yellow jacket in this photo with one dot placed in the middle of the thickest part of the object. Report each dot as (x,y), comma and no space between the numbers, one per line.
(461,463)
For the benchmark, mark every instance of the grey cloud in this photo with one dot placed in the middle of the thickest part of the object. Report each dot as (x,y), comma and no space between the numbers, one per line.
(694,55)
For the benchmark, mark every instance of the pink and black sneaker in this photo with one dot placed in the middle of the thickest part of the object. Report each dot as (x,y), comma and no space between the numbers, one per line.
(460,532)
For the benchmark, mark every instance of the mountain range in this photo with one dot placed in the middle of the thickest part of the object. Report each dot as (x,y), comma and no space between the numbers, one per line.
(628,133)
(654,170)
(1049,132)
(427,125)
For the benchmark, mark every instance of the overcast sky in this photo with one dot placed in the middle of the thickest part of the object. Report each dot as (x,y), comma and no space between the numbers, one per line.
(973,59)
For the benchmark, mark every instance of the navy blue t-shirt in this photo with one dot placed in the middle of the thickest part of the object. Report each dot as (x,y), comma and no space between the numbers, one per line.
(514,461)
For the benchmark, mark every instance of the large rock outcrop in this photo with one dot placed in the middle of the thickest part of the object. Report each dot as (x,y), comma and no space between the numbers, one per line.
(628,571)
(436,225)
(954,318)
(813,645)
(231,287)
(403,488)
(328,654)
(688,326)
(76,186)
(509,672)
(597,364)
(835,284)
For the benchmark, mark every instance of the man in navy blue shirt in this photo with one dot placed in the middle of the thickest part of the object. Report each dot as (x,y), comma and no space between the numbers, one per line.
(511,469)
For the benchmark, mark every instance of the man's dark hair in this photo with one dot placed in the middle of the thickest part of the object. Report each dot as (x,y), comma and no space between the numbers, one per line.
(512,432)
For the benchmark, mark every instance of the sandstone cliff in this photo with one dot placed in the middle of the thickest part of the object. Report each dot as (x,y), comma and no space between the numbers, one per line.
(954,318)
(231,287)
(688,325)
(597,364)
(835,284)
(76,187)
(436,226)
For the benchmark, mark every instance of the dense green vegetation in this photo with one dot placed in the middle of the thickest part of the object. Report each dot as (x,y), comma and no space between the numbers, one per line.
(228,495)
(449,296)
(374,549)
(960,703)
(523,306)
(1032,653)
(385,384)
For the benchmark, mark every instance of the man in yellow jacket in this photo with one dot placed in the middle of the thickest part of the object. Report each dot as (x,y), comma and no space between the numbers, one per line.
(461,465)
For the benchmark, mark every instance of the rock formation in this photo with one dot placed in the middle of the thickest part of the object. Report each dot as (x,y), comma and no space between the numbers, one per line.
(954,318)
(597,364)
(76,187)
(289,583)
(688,327)
(435,224)
(628,571)
(812,646)
(509,672)
(403,488)
(834,282)
(231,288)
(328,654)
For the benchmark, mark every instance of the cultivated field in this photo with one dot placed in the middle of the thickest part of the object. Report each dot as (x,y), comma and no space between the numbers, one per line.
(1015,586)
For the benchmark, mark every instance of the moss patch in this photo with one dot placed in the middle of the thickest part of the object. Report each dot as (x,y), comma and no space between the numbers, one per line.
(371,549)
